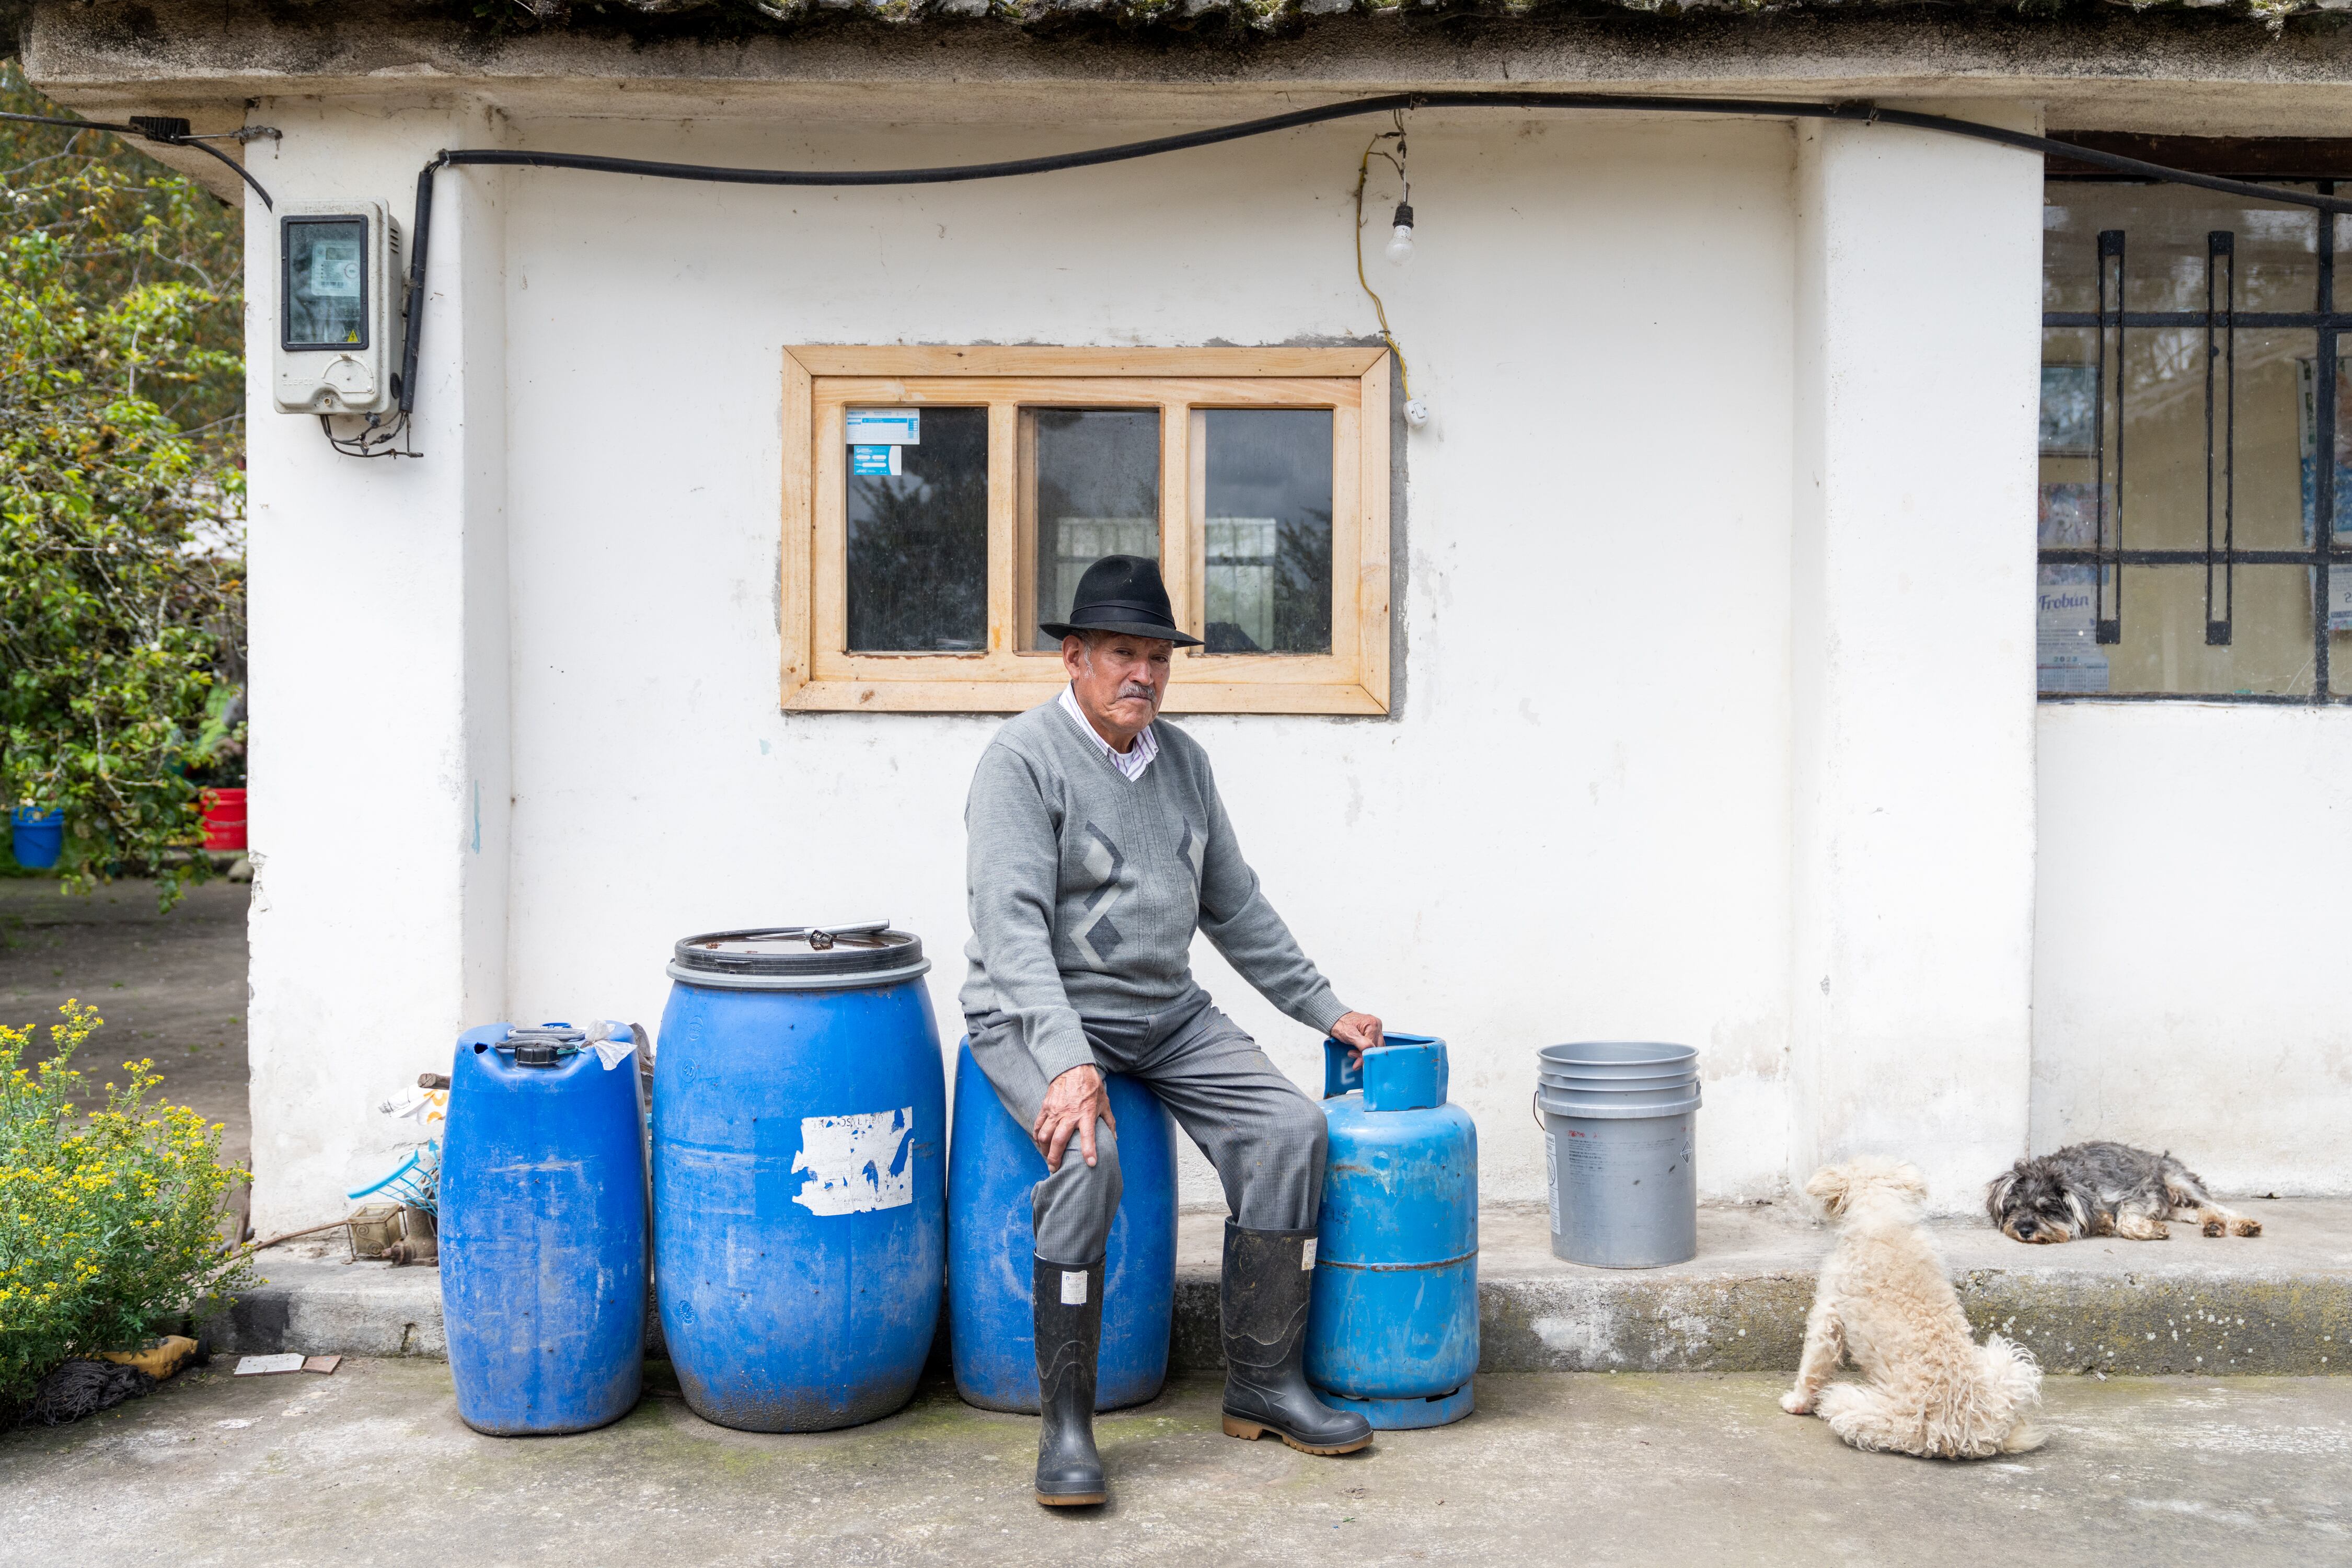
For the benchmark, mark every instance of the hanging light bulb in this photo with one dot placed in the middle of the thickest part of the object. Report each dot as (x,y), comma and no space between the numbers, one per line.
(1399,250)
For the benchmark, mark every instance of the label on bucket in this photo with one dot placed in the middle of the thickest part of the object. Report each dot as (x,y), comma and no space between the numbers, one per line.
(1551,1175)
(856,1164)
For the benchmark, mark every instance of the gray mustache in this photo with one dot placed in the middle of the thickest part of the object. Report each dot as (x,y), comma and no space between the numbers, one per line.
(1148,694)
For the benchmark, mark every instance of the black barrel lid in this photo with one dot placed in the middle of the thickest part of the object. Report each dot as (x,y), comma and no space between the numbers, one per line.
(795,958)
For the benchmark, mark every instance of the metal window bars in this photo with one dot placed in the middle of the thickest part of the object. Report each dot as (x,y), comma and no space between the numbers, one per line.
(2107,441)
(2327,550)
(2221,454)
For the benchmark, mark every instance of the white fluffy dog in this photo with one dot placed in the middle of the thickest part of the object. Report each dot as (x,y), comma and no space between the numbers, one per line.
(1884,1299)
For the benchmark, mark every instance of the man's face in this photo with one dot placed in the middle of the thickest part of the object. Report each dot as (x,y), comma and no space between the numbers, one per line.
(1120,680)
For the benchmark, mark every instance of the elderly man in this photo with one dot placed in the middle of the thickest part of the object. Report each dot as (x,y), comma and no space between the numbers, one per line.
(1099,846)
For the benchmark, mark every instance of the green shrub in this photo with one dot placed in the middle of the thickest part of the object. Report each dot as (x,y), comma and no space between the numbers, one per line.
(110,1221)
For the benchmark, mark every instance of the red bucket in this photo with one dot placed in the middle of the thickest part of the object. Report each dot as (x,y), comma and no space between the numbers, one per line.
(224,818)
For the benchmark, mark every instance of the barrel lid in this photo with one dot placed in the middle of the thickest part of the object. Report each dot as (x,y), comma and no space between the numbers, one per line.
(801,958)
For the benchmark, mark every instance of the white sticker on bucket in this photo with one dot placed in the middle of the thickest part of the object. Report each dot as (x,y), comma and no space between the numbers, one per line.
(1073,1287)
(1551,1175)
(1307,1255)
(856,1164)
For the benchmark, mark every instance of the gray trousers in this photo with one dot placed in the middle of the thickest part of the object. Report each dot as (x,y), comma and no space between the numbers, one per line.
(1264,1136)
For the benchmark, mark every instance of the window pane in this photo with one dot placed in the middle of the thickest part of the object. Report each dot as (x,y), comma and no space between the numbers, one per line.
(1097,477)
(2339,626)
(2164,649)
(326,282)
(919,531)
(2165,248)
(1267,531)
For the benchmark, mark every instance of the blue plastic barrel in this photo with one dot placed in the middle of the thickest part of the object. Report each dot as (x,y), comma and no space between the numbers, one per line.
(800,1155)
(542,1231)
(992,1166)
(36,838)
(1392,1323)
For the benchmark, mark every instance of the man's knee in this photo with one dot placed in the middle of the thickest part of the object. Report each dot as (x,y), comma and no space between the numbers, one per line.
(1079,1201)
(1297,1123)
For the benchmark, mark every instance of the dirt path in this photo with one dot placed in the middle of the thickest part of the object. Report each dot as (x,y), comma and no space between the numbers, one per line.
(170,987)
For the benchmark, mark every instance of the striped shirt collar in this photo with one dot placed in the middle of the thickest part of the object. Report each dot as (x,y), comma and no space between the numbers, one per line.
(1129,763)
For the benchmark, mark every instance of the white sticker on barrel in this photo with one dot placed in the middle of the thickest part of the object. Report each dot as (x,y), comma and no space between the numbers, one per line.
(856,1164)
(1073,1287)
(1307,1255)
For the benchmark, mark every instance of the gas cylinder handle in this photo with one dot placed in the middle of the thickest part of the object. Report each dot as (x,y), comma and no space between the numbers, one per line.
(1339,1074)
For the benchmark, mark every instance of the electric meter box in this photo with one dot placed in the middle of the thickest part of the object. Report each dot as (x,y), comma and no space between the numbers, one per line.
(340,308)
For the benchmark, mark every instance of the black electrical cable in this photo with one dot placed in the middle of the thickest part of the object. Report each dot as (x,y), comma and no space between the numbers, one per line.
(158,128)
(1349,109)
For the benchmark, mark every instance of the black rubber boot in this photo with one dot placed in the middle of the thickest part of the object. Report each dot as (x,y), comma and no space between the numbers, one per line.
(1266,1286)
(1065,1303)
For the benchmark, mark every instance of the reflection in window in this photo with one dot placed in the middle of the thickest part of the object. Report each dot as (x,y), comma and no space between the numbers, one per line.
(1093,478)
(1267,531)
(919,531)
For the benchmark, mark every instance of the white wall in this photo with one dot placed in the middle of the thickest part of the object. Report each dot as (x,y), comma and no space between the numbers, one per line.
(1912,671)
(2193,939)
(1577,825)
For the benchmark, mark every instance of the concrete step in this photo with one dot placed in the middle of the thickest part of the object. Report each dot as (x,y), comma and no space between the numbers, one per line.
(2277,1304)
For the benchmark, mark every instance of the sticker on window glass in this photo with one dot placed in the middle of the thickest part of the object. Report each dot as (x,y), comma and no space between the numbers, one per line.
(877,461)
(886,426)
(856,1164)
(335,269)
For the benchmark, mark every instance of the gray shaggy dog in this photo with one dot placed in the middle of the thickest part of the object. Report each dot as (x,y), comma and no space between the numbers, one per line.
(2104,1189)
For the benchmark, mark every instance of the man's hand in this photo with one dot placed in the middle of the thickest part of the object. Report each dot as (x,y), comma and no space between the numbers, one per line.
(1072,1102)
(1360,1031)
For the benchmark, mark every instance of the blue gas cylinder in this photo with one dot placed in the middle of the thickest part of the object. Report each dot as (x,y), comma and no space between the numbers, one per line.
(543,1229)
(800,1155)
(991,1238)
(1393,1327)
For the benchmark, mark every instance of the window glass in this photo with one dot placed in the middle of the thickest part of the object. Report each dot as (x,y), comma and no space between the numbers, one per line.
(918,498)
(2190,465)
(1267,531)
(2163,611)
(326,283)
(1093,484)
(2164,250)
(2339,625)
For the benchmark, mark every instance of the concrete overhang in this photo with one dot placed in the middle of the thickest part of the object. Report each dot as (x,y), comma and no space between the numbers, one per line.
(2171,72)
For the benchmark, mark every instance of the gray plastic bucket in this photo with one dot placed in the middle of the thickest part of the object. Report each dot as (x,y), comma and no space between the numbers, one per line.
(1620,1123)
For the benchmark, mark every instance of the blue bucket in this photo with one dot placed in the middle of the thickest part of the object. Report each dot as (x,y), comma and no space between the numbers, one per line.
(38,838)
(992,1168)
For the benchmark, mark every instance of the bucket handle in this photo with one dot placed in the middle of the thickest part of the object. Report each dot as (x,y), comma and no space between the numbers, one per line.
(1534,1109)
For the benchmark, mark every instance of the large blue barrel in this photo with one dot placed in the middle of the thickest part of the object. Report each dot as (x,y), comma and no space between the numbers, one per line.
(543,1230)
(800,1143)
(1392,1324)
(992,1167)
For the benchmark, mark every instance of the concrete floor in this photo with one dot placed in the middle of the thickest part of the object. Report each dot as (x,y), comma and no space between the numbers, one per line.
(170,987)
(371,1465)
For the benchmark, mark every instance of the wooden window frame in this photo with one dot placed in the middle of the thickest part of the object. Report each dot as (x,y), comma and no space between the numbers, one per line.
(820,675)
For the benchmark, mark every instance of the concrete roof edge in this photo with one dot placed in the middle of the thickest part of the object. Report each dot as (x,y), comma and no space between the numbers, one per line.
(389,42)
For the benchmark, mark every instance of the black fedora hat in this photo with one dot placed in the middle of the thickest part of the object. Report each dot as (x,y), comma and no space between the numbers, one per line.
(1122,594)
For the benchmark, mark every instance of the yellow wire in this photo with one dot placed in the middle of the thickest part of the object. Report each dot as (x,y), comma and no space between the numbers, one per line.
(1363,174)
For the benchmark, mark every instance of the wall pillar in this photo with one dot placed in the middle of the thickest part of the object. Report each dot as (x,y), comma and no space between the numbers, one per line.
(1917,334)
(379,759)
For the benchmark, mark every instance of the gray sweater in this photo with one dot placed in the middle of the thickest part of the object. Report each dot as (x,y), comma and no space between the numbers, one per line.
(1085,889)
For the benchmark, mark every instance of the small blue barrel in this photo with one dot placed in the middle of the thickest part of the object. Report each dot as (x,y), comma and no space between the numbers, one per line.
(36,838)
(800,1155)
(543,1230)
(992,1166)
(1392,1324)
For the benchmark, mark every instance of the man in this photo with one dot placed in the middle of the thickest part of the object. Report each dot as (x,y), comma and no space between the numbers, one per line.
(1097,847)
